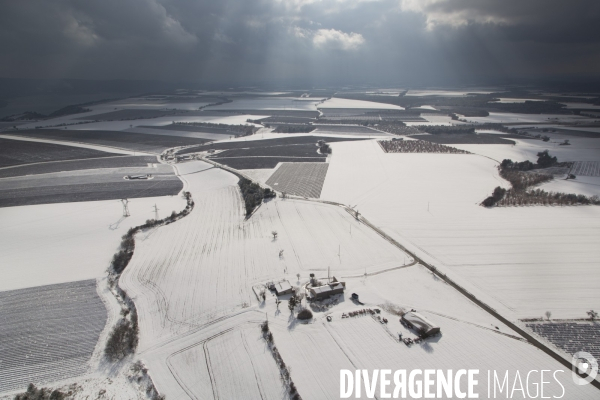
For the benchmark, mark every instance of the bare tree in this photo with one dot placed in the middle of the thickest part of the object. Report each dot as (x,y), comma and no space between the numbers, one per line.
(593,314)
(274,233)
(298,276)
(292,303)
(548,315)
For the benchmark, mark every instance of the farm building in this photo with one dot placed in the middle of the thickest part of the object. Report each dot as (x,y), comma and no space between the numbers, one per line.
(329,289)
(417,321)
(282,288)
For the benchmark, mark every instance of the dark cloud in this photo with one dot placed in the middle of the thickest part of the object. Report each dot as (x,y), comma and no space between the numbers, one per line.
(300,41)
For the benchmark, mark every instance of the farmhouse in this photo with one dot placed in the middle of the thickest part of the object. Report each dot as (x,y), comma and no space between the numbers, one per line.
(282,288)
(329,289)
(417,321)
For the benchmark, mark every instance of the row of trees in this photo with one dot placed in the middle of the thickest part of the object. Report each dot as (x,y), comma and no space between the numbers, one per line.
(545,160)
(284,370)
(418,146)
(123,339)
(542,197)
(288,128)
(523,175)
(238,130)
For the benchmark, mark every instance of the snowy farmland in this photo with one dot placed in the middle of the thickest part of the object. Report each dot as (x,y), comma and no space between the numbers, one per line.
(196,282)
(301,179)
(269,103)
(523,260)
(362,343)
(89,185)
(48,333)
(84,237)
(349,103)
(174,285)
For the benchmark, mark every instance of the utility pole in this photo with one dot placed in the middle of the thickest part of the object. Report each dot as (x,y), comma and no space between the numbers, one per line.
(125,207)
(155,212)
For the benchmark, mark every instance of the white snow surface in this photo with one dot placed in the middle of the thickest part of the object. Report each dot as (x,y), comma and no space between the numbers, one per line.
(65,242)
(522,260)
(269,103)
(107,149)
(336,102)
(585,185)
(581,149)
(499,117)
(447,93)
(260,175)
(204,266)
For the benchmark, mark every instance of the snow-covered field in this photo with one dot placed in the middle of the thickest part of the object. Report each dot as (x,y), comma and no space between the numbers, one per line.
(499,117)
(525,260)
(194,281)
(232,364)
(55,243)
(269,103)
(433,119)
(585,185)
(335,102)
(127,124)
(447,93)
(204,266)
(514,100)
(145,103)
(363,343)
(581,149)
(470,337)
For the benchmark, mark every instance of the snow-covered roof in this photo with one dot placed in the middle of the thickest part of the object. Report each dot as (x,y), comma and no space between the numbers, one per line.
(328,287)
(419,321)
(283,286)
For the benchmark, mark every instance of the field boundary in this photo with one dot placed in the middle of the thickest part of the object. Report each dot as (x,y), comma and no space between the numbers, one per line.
(514,326)
(76,144)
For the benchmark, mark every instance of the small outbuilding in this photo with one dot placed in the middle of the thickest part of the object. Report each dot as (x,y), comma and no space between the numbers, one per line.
(282,288)
(417,321)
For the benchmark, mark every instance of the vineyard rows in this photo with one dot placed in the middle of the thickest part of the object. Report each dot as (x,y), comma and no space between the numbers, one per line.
(48,333)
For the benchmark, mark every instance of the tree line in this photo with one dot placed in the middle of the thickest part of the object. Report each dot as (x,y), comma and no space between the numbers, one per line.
(523,175)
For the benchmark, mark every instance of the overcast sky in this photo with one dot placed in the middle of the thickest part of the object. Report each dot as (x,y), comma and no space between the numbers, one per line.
(300,41)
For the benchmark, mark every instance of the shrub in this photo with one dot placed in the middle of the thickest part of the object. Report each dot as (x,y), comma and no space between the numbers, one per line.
(545,160)
(325,149)
(488,202)
(33,393)
(122,340)
(292,303)
(264,327)
(305,313)
(495,197)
